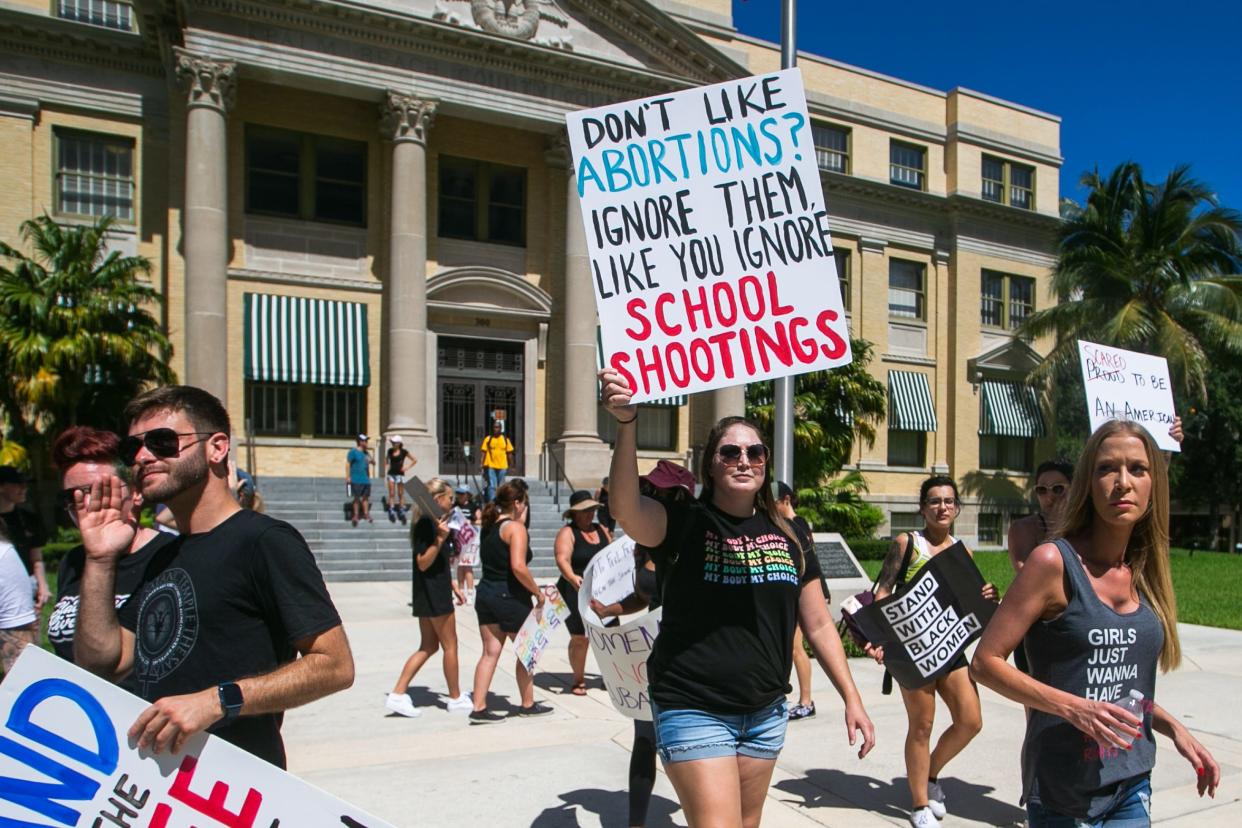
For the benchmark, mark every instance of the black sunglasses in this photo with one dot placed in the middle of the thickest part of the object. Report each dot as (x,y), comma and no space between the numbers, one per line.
(1057,489)
(162,442)
(731,453)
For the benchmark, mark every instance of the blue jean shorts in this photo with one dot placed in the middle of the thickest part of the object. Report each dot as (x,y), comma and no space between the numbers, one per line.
(686,735)
(1132,810)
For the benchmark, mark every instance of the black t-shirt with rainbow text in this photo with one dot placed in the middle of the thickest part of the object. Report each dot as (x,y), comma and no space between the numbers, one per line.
(730,593)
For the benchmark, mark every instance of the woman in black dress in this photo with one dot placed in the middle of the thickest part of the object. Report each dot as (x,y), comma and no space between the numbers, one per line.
(433,591)
(576,543)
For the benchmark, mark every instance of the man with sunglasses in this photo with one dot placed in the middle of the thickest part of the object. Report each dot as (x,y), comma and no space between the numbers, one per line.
(213,636)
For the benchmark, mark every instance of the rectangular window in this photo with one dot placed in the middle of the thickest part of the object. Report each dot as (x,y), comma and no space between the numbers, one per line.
(94,175)
(1006,453)
(832,147)
(907,448)
(842,258)
(657,427)
(113,14)
(907,165)
(905,289)
(899,522)
(480,201)
(991,528)
(306,177)
(272,408)
(340,411)
(1005,301)
(1006,182)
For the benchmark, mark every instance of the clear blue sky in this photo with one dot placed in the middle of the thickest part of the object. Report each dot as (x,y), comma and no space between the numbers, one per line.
(1159,83)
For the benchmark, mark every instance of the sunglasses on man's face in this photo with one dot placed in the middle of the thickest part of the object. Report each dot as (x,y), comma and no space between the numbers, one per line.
(1057,489)
(162,442)
(731,454)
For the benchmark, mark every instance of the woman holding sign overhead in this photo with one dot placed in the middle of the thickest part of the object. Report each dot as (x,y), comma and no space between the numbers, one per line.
(735,581)
(910,552)
(1097,612)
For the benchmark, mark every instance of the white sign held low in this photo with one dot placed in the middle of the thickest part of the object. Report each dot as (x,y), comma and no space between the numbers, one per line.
(1128,385)
(533,637)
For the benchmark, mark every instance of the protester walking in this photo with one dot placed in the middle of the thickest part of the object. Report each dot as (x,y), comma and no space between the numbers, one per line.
(503,598)
(786,502)
(1052,482)
(497,450)
(358,467)
(19,625)
(735,579)
(1098,614)
(400,461)
(433,590)
(467,546)
(576,543)
(24,530)
(85,456)
(910,552)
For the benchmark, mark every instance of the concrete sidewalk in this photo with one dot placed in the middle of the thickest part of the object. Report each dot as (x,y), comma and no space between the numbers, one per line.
(570,768)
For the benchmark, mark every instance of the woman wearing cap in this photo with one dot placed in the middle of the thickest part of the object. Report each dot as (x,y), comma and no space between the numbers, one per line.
(433,590)
(576,543)
(735,581)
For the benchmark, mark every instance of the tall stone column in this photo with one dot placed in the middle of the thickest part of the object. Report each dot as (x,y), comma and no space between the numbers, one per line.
(583,455)
(728,402)
(405,121)
(211,87)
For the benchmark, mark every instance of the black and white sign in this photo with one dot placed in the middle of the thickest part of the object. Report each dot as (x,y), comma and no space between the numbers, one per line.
(926,626)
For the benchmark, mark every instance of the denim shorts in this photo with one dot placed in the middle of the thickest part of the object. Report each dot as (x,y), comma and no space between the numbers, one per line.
(686,735)
(1132,810)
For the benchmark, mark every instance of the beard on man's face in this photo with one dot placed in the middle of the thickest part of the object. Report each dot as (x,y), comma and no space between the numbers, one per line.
(184,472)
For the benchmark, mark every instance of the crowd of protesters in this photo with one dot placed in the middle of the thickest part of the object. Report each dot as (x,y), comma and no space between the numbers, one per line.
(256,632)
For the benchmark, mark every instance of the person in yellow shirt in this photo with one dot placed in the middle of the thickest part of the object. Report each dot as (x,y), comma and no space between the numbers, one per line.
(497,452)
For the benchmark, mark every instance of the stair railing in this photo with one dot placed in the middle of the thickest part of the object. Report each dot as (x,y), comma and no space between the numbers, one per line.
(552,472)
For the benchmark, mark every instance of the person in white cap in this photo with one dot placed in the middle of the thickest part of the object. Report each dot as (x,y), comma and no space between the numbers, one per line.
(358,466)
(400,461)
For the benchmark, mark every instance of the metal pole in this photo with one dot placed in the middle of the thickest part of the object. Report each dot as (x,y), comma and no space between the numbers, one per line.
(783,396)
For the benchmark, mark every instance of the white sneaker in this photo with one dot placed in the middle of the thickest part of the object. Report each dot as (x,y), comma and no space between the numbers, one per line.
(470,597)
(923,818)
(462,703)
(935,800)
(400,704)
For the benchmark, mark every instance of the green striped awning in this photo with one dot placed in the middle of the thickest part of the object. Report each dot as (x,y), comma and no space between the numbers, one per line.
(680,399)
(910,406)
(299,340)
(1010,409)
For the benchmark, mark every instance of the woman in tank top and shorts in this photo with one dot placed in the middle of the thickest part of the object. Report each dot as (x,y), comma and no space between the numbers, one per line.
(576,543)
(1096,611)
(939,503)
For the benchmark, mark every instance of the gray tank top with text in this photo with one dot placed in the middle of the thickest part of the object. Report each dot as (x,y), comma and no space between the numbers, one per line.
(1093,651)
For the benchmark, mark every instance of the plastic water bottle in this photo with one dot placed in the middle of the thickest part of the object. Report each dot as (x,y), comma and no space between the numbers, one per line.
(1132,704)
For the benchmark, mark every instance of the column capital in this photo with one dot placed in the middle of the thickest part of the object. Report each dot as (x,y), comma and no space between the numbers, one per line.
(406,118)
(209,82)
(556,150)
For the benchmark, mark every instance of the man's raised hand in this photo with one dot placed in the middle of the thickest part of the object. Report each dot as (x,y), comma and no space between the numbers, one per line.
(108,529)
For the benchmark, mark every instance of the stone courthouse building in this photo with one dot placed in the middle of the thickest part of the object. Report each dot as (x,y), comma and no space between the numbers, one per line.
(362,218)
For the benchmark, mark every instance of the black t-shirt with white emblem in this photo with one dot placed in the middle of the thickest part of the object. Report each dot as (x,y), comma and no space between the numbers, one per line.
(225,605)
(730,596)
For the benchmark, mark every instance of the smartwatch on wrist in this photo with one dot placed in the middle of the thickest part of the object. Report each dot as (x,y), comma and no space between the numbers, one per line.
(230,700)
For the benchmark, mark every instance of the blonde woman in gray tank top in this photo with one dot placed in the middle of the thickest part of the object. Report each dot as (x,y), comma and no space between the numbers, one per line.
(1097,612)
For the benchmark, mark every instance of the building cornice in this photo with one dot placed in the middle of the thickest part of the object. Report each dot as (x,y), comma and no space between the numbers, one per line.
(46,37)
(1010,145)
(241,274)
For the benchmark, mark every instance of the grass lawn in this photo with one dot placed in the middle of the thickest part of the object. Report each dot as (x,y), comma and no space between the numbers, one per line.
(47,612)
(1208,585)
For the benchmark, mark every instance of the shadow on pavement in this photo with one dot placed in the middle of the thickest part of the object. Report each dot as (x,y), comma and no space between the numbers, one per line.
(553,682)
(612,808)
(824,788)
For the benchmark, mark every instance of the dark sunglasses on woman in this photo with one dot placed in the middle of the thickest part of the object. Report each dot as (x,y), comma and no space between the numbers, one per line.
(1057,489)
(162,442)
(731,453)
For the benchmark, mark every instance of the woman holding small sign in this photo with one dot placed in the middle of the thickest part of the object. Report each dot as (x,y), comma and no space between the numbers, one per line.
(576,543)
(1097,613)
(735,581)
(910,552)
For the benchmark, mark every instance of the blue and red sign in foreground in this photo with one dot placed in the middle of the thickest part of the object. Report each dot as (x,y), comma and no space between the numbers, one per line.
(65,760)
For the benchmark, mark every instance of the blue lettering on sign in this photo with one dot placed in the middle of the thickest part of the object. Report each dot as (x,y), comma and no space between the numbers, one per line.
(46,797)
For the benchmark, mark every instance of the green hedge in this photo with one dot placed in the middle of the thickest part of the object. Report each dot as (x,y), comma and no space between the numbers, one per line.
(869,549)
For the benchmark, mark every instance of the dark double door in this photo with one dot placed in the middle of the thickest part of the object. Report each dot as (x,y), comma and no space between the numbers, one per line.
(477,379)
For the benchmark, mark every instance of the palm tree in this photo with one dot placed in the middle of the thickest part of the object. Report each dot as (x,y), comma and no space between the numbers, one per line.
(1147,267)
(77,337)
(832,409)
(837,505)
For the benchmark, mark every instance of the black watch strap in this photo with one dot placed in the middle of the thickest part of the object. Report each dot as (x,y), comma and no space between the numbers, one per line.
(230,700)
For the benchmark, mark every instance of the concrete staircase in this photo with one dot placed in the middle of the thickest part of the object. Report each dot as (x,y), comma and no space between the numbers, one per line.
(380,551)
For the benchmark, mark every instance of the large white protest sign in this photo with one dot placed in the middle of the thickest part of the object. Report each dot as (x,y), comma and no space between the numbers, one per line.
(65,760)
(533,636)
(620,651)
(1127,385)
(707,231)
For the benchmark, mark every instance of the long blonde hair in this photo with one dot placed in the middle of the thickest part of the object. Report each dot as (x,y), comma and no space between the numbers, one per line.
(1147,552)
